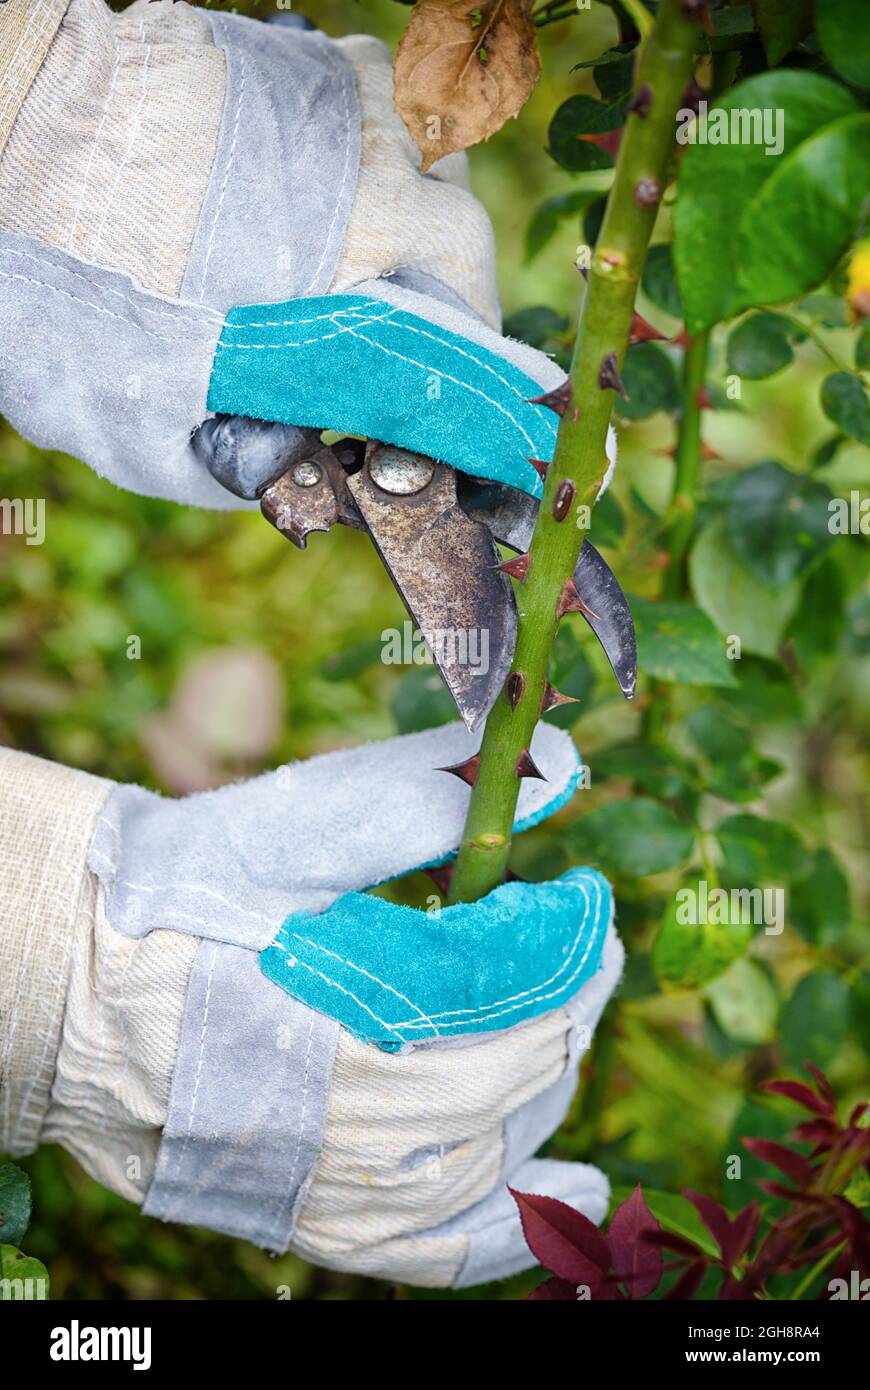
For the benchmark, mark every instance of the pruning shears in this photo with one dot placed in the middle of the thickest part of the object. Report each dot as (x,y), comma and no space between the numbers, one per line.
(436,531)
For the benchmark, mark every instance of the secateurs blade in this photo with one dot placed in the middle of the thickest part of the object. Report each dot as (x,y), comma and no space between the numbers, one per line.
(436,532)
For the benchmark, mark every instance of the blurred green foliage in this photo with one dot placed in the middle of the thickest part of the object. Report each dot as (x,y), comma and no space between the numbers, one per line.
(750,770)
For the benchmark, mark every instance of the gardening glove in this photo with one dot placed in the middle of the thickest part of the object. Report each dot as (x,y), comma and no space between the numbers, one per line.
(202,214)
(198,1001)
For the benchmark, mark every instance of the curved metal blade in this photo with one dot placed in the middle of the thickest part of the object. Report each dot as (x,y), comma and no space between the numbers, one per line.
(444,565)
(510,515)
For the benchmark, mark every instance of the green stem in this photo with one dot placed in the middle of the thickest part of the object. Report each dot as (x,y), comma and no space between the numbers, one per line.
(580,460)
(688,462)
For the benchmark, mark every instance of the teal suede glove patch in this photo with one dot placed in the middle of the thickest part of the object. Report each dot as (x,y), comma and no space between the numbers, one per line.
(361,366)
(394,975)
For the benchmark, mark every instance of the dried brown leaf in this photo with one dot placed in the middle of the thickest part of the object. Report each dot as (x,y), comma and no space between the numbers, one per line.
(462,70)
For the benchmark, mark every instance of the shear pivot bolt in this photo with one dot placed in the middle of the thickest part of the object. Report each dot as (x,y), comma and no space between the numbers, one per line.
(307,474)
(401,473)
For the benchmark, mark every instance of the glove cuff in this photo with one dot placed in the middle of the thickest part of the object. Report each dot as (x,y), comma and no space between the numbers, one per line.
(47,816)
(26,34)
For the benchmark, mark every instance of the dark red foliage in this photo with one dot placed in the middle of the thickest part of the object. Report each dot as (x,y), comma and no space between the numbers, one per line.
(627,1262)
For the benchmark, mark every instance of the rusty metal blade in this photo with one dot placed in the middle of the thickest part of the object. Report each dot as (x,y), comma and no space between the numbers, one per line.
(510,516)
(444,565)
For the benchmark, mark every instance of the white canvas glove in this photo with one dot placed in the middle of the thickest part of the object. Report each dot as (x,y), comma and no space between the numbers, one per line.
(408,1154)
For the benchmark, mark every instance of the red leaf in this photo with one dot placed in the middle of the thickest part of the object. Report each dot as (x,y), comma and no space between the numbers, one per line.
(714,1217)
(858,1112)
(819,1132)
(791,1194)
(794,1165)
(668,1240)
(800,1093)
(823,1085)
(744,1229)
(554,1290)
(687,1282)
(562,1239)
(637,1263)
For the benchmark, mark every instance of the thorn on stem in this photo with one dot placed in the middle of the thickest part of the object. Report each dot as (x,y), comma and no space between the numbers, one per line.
(467,771)
(697,12)
(563,500)
(526,767)
(515,688)
(647,193)
(608,376)
(641,102)
(517,567)
(558,399)
(571,602)
(540,467)
(643,332)
(553,697)
(693,95)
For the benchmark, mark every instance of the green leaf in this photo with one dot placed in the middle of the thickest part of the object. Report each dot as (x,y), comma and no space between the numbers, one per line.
(716,734)
(652,768)
(846,402)
(857,639)
(819,903)
(688,954)
(744,1003)
(816,630)
(14,1204)
(760,345)
(27,1278)
(535,325)
(635,837)
(608,522)
(828,310)
(778,522)
(805,215)
(765,694)
(677,642)
(613,55)
(815,1020)
(673,1212)
(782,24)
(730,234)
(659,280)
(547,216)
(843,27)
(859,1008)
(862,349)
(422,701)
(650,380)
(346,665)
(614,80)
(827,451)
(736,600)
(759,851)
(578,116)
(739,20)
